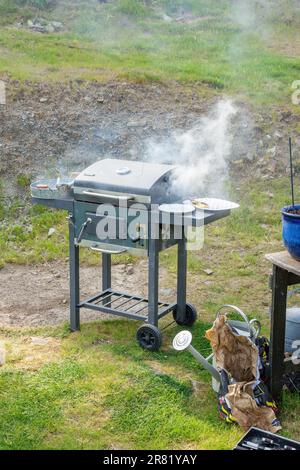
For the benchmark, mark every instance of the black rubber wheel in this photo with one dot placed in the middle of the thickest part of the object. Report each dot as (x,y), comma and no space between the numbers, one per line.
(149,337)
(189,318)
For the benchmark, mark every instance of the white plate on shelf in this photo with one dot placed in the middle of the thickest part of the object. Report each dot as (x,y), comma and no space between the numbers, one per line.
(214,204)
(177,208)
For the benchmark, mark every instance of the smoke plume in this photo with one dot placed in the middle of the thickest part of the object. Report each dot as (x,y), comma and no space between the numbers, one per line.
(201,153)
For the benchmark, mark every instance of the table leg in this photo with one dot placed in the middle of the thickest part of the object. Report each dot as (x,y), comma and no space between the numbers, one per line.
(277,338)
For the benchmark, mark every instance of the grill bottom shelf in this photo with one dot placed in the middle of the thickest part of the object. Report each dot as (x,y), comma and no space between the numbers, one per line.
(124,305)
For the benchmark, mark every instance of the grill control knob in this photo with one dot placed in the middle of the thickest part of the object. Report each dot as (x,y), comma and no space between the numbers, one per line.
(123,170)
(137,236)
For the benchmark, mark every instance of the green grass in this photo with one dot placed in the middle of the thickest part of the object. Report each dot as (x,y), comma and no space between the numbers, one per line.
(24,236)
(134,8)
(17,10)
(23,181)
(35,410)
(129,39)
(104,392)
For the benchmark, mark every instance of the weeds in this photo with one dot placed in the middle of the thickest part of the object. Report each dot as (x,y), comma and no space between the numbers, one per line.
(23,181)
(135,39)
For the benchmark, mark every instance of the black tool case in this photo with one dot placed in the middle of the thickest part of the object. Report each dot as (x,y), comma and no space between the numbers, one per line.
(263,439)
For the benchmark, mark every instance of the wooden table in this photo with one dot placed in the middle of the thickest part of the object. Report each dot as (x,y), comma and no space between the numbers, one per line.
(286,272)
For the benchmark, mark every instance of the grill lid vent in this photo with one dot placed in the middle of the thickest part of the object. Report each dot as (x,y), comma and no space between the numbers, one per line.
(123,170)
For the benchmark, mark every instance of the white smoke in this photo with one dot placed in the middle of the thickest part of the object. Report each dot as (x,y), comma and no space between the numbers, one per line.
(260,16)
(201,153)
(245,14)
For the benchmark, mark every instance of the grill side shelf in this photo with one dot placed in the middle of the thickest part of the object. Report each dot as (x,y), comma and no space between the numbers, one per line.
(124,305)
(62,203)
(196,218)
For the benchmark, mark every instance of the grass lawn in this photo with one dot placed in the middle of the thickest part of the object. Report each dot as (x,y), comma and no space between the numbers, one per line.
(102,391)
(99,390)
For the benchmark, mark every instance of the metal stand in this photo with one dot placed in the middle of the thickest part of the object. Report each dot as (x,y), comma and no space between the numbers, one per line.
(150,309)
(106,271)
(74,279)
(106,274)
(153,269)
(181,280)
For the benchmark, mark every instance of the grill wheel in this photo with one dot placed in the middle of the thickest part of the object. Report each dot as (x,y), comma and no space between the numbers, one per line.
(189,318)
(149,337)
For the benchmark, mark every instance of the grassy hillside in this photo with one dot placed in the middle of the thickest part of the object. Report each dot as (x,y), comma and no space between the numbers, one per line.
(252,52)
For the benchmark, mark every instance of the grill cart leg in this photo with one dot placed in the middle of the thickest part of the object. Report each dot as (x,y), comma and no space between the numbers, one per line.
(153,282)
(106,275)
(181,279)
(184,314)
(106,271)
(74,279)
(149,336)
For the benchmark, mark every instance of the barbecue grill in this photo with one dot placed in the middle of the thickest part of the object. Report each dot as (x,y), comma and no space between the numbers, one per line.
(109,193)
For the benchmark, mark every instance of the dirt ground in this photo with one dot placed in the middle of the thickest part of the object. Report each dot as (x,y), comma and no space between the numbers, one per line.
(39,295)
(45,129)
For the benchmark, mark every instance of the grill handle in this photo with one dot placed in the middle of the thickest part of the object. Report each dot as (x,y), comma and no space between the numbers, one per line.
(83,228)
(109,196)
(108,252)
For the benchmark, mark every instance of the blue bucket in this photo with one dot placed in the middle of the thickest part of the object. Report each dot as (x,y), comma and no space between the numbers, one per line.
(291,231)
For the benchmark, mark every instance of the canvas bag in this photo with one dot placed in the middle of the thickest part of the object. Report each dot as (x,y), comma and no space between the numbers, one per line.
(238,356)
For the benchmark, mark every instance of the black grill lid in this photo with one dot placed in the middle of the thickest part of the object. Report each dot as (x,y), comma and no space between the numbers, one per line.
(125,176)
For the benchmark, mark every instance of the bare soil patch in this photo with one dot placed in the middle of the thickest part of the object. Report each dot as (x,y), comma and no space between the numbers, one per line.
(39,295)
(50,128)
(45,128)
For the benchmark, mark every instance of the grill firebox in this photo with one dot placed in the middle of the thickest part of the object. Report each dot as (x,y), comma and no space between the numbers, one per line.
(125,195)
